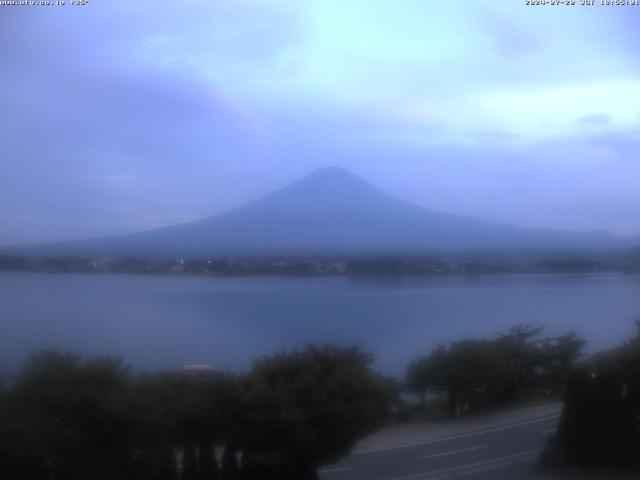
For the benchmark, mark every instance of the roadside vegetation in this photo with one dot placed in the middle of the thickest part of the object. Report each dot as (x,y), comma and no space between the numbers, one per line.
(600,423)
(473,375)
(65,418)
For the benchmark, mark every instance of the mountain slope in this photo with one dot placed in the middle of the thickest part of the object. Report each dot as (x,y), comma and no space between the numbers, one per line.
(330,211)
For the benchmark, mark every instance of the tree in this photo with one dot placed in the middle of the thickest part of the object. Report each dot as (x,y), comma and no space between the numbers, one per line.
(154,404)
(600,423)
(474,374)
(230,469)
(307,408)
(519,348)
(559,357)
(467,372)
(68,419)
(188,412)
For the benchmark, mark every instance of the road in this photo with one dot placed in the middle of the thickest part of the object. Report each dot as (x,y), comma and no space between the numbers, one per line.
(500,452)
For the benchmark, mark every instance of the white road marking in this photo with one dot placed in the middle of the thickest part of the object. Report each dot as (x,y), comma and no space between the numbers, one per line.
(456,437)
(547,432)
(334,470)
(498,460)
(453,452)
(527,459)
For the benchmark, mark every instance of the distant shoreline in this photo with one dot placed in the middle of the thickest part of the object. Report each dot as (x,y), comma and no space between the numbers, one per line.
(358,267)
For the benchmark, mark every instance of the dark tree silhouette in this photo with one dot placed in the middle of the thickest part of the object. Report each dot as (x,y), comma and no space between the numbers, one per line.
(68,419)
(307,408)
(230,469)
(207,466)
(600,424)
(189,461)
(476,374)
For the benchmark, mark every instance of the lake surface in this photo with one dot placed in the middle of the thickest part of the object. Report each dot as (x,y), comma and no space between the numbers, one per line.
(168,321)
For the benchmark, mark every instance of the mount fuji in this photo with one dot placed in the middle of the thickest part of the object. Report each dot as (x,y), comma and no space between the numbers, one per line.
(328,212)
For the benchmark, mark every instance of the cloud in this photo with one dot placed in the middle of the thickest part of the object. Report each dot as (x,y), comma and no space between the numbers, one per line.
(92,147)
(122,116)
(551,111)
(596,119)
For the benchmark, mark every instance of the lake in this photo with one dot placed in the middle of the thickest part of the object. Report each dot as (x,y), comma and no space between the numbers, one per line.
(168,321)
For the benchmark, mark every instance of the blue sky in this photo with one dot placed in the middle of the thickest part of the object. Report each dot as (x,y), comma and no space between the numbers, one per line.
(123,116)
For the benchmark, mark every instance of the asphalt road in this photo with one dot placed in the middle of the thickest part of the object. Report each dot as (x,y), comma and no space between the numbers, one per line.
(504,452)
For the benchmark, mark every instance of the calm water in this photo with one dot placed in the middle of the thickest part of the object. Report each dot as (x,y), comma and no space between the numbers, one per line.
(165,321)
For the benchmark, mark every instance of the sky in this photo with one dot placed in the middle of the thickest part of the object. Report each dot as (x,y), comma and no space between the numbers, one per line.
(122,116)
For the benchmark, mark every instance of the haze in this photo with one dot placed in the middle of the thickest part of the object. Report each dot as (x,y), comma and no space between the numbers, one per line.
(119,117)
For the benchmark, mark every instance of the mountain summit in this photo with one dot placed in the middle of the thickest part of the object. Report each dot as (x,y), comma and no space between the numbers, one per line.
(330,211)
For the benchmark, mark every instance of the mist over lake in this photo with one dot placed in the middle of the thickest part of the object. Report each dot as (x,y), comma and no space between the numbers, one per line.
(158,322)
